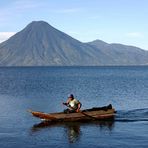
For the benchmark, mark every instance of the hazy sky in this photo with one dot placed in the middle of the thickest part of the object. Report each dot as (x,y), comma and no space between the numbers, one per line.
(113,21)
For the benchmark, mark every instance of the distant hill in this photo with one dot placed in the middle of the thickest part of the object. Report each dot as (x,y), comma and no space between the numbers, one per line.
(122,54)
(40,44)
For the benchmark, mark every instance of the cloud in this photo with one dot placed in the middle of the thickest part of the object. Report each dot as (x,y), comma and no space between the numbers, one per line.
(134,34)
(5,35)
(94,17)
(69,10)
(27,4)
(17,8)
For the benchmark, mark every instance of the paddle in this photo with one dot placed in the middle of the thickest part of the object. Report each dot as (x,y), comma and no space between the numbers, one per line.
(79,111)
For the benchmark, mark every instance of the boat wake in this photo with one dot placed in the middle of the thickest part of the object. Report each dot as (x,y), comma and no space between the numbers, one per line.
(135,115)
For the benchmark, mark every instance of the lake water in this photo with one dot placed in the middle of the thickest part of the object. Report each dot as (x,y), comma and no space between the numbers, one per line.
(45,88)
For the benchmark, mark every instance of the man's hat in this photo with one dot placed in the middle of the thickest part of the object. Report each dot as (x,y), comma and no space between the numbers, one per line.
(70,96)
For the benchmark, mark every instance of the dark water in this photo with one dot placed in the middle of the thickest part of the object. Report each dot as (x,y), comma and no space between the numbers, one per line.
(44,89)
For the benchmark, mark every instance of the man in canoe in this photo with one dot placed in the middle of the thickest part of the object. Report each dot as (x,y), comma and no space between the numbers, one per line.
(73,104)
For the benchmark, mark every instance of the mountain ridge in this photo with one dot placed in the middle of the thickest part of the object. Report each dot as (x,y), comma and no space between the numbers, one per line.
(40,44)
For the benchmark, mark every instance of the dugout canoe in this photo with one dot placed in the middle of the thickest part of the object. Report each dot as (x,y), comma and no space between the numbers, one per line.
(95,113)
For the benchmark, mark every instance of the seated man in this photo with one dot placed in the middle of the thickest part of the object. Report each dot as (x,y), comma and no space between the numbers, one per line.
(73,104)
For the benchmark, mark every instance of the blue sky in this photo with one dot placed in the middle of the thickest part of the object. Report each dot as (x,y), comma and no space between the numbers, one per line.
(113,21)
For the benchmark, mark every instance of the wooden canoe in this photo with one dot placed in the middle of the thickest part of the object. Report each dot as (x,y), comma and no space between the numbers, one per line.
(96,113)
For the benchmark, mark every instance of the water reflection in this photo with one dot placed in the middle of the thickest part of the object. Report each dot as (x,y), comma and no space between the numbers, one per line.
(73,129)
(73,132)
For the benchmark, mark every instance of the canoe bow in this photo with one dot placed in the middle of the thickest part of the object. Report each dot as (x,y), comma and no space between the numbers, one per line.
(42,115)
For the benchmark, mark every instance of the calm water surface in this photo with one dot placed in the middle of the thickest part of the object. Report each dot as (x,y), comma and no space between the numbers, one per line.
(44,89)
